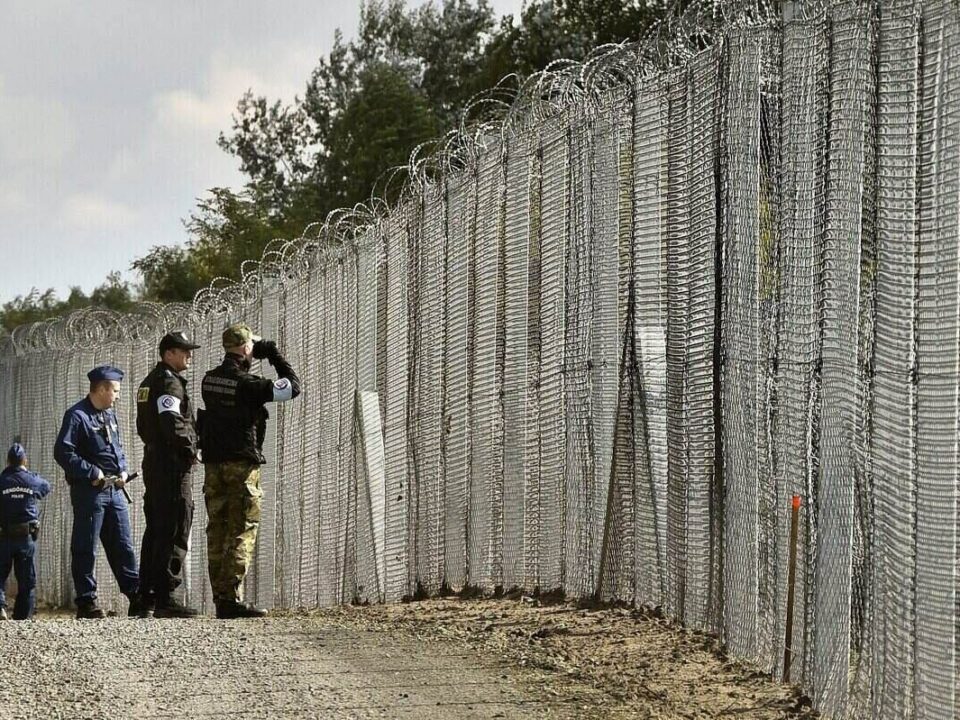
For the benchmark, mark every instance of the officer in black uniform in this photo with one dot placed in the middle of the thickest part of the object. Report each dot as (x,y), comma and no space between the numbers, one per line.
(167,426)
(19,524)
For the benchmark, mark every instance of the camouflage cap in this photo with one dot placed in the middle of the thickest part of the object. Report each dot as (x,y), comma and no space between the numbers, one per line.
(238,334)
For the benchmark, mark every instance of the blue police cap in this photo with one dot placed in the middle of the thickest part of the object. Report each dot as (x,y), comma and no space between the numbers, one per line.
(16,454)
(105,372)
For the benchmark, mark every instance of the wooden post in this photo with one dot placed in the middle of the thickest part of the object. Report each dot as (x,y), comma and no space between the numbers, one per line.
(791,581)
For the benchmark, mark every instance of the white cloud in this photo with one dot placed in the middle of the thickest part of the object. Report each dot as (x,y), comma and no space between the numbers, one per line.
(226,80)
(34,130)
(181,133)
(86,211)
(12,199)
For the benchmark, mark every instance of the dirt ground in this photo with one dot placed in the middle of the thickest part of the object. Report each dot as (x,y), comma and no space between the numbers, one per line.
(607,662)
(452,659)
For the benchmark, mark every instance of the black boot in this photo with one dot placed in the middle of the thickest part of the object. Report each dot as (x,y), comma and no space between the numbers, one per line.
(141,606)
(231,609)
(169,607)
(89,610)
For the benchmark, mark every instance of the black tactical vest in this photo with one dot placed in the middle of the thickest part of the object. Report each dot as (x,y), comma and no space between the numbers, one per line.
(232,428)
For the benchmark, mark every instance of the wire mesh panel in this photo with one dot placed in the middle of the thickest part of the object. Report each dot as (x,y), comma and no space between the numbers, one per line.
(516,271)
(323,401)
(342,405)
(282,504)
(798,349)
(603,315)
(461,234)
(849,83)
(553,247)
(700,581)
(678,296)
(617,562)
(347,308)
(937,331)
(650,322)
(369,439)
(741,341)
(486,410)
(580,462)
(893,447)
(137,360)
(53,552)
(395,404)
(297,536)
(769,210)
(427,419)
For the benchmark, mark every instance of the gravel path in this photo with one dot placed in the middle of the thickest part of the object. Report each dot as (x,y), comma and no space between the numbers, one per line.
(281,667)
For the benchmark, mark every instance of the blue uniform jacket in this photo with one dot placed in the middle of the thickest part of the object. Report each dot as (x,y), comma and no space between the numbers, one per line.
(19,491)
(89,439)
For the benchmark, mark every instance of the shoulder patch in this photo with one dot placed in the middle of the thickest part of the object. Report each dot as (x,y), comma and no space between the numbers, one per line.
(143,394)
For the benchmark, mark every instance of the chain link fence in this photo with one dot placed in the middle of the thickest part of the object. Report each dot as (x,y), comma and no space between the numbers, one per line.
(601,342)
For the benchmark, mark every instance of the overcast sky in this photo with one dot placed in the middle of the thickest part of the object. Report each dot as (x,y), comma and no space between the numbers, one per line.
(109,116)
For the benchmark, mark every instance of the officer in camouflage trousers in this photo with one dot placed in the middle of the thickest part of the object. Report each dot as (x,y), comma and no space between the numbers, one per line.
(167,426)
(232,428)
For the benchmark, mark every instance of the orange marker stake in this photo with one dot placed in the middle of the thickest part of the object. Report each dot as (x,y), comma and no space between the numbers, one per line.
(791,581)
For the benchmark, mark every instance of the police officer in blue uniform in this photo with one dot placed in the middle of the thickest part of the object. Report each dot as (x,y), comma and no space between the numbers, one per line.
(90,451)
(19,524)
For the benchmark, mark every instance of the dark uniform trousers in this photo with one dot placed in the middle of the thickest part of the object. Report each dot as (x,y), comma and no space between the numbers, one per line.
(101,513)
(18,552)
(168,510)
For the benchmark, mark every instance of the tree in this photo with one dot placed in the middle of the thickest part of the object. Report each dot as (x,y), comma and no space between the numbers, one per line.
(383,122)
(403,81)
(113,294)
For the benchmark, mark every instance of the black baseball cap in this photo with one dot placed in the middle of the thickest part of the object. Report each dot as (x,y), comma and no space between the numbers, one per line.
(176,339)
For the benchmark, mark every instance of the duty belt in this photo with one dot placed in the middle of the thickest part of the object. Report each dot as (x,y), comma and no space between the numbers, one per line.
(20,530)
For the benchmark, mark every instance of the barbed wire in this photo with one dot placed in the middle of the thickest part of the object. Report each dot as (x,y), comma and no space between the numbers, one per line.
(507,110)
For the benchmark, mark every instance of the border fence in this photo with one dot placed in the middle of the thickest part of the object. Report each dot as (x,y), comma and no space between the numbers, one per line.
(601,342)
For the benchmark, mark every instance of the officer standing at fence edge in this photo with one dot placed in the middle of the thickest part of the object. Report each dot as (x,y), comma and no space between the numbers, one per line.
(232,428)
(19,525)
(90,451)
(168,428)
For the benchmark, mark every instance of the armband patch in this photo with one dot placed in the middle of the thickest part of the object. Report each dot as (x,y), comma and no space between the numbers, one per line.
(168,403)
(282,390)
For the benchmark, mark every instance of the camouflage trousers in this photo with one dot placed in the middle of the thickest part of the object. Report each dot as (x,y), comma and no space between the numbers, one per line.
(232,494)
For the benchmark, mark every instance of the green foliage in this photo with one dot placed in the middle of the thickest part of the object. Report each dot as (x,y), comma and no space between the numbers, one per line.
(403,81)
(381,124)
(114,294)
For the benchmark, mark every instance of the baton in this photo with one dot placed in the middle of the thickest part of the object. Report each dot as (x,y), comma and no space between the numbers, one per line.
(124,488)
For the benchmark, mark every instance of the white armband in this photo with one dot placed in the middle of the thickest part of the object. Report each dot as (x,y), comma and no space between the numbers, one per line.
(282,390)
(168,403)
